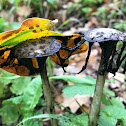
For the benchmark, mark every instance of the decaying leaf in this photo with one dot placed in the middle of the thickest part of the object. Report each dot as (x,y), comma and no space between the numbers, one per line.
(74,103)
(31,28)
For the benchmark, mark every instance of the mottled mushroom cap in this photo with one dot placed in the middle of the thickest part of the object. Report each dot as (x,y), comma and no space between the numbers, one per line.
(104,34)
(37,48)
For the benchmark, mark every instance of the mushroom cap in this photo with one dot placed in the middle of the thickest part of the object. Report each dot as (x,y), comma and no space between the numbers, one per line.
(37,48)
(104,34)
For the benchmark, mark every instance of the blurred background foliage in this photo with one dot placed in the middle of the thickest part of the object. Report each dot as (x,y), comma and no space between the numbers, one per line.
(21,97)
(107,13)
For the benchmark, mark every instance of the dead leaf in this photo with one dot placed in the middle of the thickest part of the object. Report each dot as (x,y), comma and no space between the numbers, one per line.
(124,94)
(72,102)
(119,76)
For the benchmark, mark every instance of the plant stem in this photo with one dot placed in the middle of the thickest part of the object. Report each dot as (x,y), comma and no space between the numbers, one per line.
(50,75)
(48,94)
(49,67)
(95,107)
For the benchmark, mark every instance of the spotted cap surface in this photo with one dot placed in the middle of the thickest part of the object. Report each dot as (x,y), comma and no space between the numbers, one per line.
(37,48)
(104,34)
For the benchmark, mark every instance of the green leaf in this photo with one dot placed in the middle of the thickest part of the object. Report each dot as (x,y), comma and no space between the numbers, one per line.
(15,25)
(123,122)
(87,80)
(106,91)
(3,24)
(116,102)
(80,89)
(7,77)
(105,100)
(19,85)
(32,94)
(104,120)
(79,120)
(51,1)
(86,10)
(55,116)
(114,111)
(33,122)
(102,9)
(113,101)
(15,100)
(69,120)
(1,89)
(9,114)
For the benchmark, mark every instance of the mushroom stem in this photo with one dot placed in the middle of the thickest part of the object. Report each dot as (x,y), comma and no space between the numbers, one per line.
(95,107)
(48,94)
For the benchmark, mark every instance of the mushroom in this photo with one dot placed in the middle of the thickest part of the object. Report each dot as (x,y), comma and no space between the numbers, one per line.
(108,39)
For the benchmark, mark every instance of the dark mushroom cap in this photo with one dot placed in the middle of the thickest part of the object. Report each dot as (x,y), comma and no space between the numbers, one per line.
(104,34)
(37,48)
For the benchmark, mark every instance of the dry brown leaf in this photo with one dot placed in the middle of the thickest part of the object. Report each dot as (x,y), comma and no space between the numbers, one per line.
(59,99)
(77,59)
(72,102)
(119,76)
(124,94)
(86,109)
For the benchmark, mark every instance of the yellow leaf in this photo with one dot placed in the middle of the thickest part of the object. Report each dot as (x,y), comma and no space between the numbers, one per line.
(31,28)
